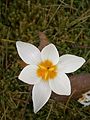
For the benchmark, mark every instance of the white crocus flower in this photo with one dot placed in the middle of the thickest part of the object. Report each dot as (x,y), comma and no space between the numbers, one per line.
(46,70)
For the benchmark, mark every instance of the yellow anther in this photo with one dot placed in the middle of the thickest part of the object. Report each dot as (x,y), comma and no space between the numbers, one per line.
(52,68)
(42,67)
(46,70)
(46,75)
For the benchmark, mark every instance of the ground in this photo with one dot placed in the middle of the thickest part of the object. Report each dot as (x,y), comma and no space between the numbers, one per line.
(66,24)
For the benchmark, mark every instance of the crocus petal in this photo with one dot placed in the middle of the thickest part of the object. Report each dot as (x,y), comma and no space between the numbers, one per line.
(40,95)
(70,63)
(28,52)
(61,84)
(28,75)
(50,53)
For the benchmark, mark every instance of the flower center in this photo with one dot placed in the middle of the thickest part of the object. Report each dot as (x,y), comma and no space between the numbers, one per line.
(46,70)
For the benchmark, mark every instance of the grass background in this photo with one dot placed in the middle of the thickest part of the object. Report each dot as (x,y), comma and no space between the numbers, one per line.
(67,25)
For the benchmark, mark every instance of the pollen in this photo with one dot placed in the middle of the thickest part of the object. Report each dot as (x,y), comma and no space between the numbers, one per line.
(46,70)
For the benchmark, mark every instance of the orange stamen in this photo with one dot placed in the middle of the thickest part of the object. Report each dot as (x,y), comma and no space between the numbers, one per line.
(46,70)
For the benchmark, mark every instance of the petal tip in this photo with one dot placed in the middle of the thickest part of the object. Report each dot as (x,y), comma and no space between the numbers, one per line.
(35,111)
(35,108)
(84,60)
(19,77)
(18,43)
(52,45)
(69,93)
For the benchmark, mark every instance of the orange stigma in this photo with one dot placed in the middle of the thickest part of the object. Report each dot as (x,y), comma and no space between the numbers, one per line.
(46,70)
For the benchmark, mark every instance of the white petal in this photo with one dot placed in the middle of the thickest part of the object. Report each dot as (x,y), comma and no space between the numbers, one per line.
(28,75)
(61,84)
(50,53)
(28,52)
(70,63)
(85,99)
(40,95)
